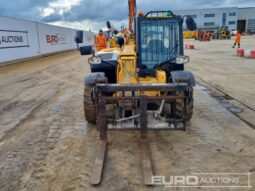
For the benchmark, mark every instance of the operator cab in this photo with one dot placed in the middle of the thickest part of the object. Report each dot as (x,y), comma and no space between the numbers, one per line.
(159,42)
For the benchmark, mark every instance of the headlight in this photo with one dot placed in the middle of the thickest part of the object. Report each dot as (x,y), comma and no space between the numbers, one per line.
(182,59)
(94,60)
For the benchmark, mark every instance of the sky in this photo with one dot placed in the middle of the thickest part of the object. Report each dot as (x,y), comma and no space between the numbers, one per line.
(93,14)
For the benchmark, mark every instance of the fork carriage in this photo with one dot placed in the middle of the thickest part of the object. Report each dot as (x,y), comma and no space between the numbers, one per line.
(137,105)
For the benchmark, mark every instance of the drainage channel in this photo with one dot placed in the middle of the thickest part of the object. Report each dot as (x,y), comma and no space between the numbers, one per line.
(224,100)
(226,95)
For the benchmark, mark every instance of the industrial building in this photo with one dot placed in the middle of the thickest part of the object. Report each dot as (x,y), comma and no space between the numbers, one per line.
(212,19)
(246,19)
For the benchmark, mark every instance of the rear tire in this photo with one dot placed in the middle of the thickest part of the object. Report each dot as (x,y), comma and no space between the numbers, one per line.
(89,105)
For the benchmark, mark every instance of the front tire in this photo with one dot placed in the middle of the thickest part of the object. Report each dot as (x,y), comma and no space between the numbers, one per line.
(89,105)
(180,106)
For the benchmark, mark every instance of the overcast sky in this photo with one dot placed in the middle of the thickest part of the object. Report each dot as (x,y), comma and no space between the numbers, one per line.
(92,14)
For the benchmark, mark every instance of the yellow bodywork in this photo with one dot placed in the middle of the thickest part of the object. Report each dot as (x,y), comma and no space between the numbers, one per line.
(107,50)
(127,71)
(113,43)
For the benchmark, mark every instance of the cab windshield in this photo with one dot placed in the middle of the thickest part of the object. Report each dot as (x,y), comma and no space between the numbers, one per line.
(159,41)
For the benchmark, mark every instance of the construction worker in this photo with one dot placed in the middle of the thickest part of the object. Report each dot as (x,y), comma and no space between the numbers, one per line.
(208,36)
(237,39)
(101,42)
(205,36)
(201,35)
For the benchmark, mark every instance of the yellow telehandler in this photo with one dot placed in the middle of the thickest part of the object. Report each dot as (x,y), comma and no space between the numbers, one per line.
(140,86)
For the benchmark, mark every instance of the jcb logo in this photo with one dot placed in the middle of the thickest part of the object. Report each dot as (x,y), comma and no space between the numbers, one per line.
(52,39)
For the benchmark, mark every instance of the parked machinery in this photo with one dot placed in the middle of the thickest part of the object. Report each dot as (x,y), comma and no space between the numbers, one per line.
(189,34)
(222,33)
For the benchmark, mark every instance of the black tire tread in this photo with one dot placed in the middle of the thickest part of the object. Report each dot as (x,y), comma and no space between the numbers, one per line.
(89,105)
(179,108)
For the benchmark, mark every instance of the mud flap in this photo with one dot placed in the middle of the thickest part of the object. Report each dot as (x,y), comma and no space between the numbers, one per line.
(90,79)
(182,76)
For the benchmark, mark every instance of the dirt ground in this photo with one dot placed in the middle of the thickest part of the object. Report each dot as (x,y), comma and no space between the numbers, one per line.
(46,144)
(216,67)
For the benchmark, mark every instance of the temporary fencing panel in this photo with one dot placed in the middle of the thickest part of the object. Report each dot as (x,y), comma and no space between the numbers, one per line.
(18,39)
(53,39)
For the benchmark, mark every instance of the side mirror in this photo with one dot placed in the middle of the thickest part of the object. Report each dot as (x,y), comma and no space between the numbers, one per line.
(108,24)
(191,24)
(86,50)
(79,37)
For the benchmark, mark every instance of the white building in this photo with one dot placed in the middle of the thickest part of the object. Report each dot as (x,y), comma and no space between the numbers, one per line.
(212,19)
(246,19)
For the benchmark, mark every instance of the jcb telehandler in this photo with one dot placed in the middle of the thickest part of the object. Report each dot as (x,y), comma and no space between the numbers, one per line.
(222,33)
(142,86)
